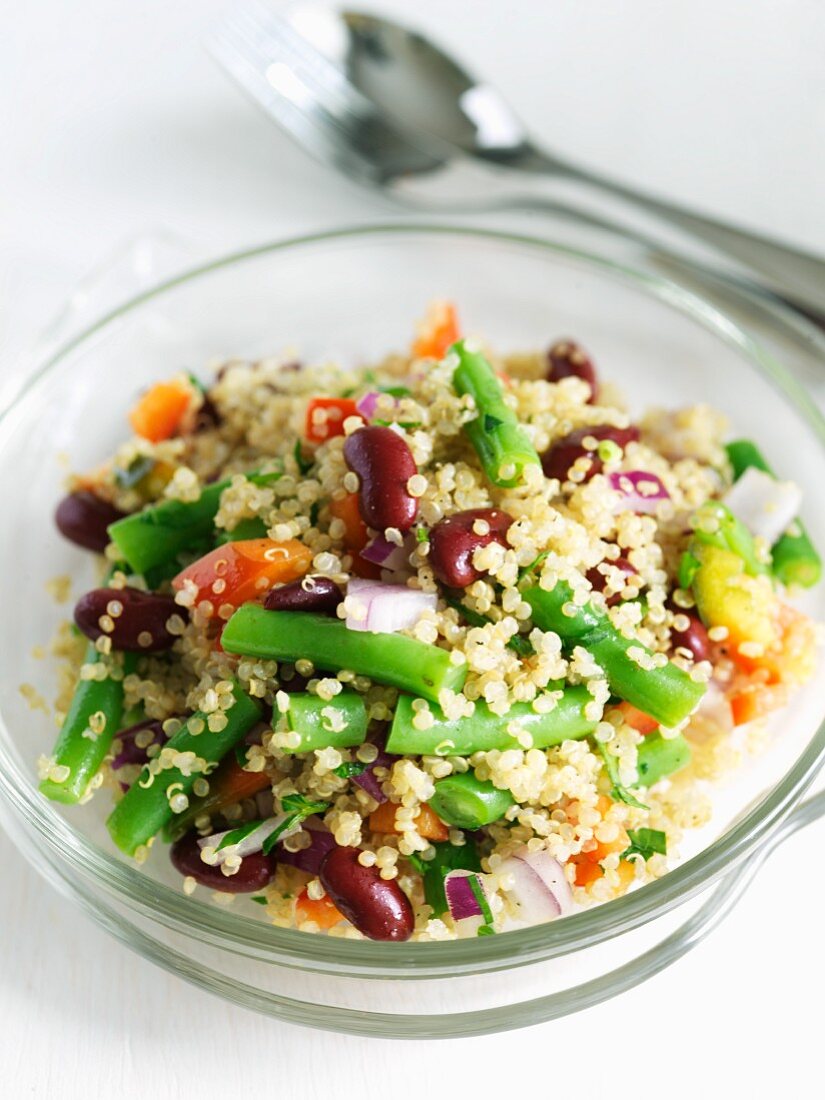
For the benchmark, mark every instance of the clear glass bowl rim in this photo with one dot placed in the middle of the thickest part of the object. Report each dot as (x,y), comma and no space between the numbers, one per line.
(419,960)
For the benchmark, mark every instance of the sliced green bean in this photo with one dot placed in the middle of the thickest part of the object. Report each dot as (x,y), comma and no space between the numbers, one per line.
(391,659)
(501,443)
(795,558)
(145,808)
(484,730)
(659,756)
(667,692)
(254,528)
(94,717)
(469,803)
(157,534)
(338,723)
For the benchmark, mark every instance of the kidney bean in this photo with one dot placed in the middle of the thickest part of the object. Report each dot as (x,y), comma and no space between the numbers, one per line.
(82,518)
(567,359)
(255,872)
(131,752)
(377,907)
(140,624)
(694,637)
(560,456)
(598,580)
(323,596)
(453,542)
(384,464)
(207,416)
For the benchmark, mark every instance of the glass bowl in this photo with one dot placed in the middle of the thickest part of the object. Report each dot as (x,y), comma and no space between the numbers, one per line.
(353,295)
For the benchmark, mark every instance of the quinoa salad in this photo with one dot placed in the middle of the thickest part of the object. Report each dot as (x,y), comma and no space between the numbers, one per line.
(430,648)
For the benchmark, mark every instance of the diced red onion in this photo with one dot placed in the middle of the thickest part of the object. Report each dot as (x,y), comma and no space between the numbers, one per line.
(539,887)
(767,507)
(388,555)
(307,859)
(385,608)
(461,899)
(369,782)
(640,491)
(131,752)
(366,404)
(253,842)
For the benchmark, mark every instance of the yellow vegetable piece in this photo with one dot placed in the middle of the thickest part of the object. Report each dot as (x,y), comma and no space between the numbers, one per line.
(727,596)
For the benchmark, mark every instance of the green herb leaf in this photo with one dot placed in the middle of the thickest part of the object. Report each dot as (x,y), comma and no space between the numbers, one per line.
(349,769)
(533,564)
(297,808)
(136,471)
(618,792)
(486,930)
(259,899)
(645,843)
(304,464)
(239,834)
(478,893)
(240,754)
(491,422)
(395,391)
(422,534)
(407,425)
(196,382)
(314,509)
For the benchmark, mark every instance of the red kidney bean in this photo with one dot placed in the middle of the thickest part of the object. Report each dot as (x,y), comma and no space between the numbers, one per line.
(207,416)
(560,456)
(323,596)
(567,359)
(598,580)
(378,908)
(384,464)
(82,518)
(255,872)
(453,542)
(140,626)
(131,752)
(694,637)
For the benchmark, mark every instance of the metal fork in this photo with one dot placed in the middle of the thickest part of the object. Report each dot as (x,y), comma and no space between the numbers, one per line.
(312,99)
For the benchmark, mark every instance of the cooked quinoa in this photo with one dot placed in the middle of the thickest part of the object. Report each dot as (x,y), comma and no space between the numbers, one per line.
(578,812)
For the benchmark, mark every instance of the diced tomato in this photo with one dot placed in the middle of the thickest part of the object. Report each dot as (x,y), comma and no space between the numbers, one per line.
(756,701)
(356,535)
(335,411)
(637,719)
(322,911)
(158,413)
(427,823)
(437,332)
(238,572)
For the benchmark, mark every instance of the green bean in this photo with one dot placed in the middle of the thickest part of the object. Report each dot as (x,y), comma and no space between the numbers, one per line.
(795,559)
(667,693)
(80,748)
(157,534)
(318,730)
(484,730)
(718,526)
(502,444)
(145,808)
(659,756)
(387,658)
(254,528)
(467,802)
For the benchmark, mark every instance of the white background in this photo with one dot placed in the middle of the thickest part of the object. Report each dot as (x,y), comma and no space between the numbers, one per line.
(113,122)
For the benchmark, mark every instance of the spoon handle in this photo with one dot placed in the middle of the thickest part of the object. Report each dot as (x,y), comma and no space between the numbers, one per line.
(792,274)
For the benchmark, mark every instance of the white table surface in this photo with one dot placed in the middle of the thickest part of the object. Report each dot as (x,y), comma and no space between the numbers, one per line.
(113,122)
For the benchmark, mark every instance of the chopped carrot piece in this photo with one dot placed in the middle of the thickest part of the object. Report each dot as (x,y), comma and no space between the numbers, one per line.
(241,571)
(756,701)
(321,911)
(792,657)
(437,332)
(356,535)
(428,824)
(232,783)
(588,864)
(325,417)
(637,719)
(159,411)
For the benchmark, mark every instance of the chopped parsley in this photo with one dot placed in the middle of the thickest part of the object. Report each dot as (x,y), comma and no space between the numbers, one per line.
(350,768)
(259,899)
(235,836)
(491,422)
(304,464)
(618,792)
(297,808)
(645,843)
(136,471)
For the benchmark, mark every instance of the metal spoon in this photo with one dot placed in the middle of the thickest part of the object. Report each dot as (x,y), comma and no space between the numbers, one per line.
(414,82)
(391,111)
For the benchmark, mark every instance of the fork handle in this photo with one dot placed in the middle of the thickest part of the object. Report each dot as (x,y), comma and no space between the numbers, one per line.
(792,274)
